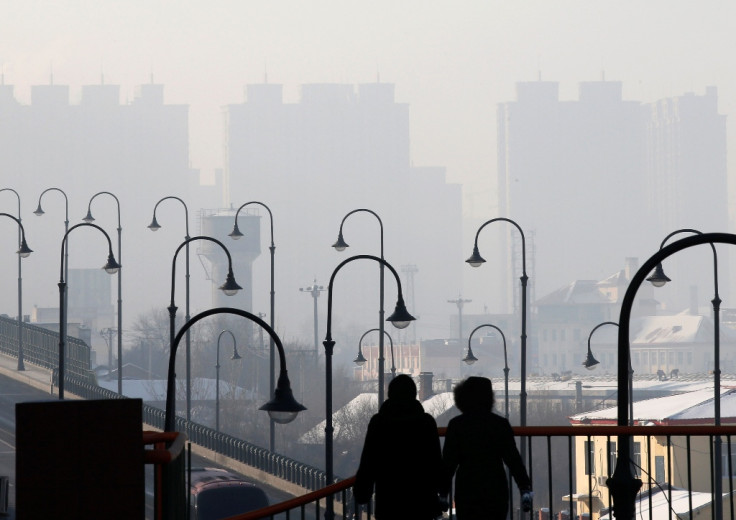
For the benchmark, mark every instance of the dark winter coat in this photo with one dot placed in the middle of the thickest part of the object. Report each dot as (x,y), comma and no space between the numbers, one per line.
(477,445)
(402,458)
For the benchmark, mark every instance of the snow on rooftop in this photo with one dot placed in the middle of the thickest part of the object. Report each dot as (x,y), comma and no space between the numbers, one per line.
(661,504)
(697,404)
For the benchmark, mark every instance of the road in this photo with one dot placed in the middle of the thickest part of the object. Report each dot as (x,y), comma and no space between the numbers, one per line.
(13,392)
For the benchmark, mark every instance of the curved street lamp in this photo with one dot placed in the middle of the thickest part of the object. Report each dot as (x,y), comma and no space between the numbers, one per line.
(470,359)
(111,267)
(39,211)
(230,287)
(235,234)
(360,360)
(234,357)
(400,319)
(90,218)
(21,365)
(155,226)
(624,486)
(341,245)
(659,279)
(476,260)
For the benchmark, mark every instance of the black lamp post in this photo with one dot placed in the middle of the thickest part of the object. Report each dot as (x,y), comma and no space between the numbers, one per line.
(659,279)
(21,365)
(476,260)
(400,319)
(622,484)
(230,287)
(235,235)
(341,245)
(155,226)
(470,359)
(360,360)
(90,218)
(111,267)
(235,356)
(39,211)
(282,407)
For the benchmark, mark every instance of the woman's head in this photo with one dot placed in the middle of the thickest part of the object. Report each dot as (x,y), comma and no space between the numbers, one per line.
(474,394)
(402,388)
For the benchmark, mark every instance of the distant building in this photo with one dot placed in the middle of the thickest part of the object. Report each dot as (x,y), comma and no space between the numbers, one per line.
(601,177)
(338,149)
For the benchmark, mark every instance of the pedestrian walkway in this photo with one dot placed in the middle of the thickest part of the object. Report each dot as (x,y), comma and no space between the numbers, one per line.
(33,375)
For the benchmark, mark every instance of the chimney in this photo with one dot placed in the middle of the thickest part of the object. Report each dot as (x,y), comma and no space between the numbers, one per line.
(632,265)
(425,385)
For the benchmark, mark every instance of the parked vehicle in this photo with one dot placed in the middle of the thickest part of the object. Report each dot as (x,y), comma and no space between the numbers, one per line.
(217,493)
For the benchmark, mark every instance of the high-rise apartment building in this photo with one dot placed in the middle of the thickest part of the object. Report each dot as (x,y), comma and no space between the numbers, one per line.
(599,178)
(337,149)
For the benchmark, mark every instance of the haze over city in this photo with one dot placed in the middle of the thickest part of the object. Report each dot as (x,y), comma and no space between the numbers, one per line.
(452,64)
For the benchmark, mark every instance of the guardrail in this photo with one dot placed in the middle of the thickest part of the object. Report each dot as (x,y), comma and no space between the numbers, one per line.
(561,474)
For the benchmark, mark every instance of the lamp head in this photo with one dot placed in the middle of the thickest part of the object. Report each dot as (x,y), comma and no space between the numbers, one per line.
(360,360)
(340,245)
(236,234)
(89,218)
(154,225)
(230,287)
(475,259)
(469,357)
(111,267)
(590,362)
(39,211)
(400,317)
(24,250)
(236,356)
(658,278)
(283,408)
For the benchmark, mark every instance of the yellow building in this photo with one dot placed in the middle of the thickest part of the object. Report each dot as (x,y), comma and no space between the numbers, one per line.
(659,461)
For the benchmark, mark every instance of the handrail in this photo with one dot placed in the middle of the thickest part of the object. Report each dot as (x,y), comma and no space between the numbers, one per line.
(519,431)
(163,455)
(295,502)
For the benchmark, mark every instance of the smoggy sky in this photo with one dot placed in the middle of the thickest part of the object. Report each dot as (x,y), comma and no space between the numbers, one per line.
(451,61)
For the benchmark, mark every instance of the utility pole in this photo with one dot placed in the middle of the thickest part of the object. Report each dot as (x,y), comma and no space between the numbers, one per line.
(460,302)
(314,290)
(106,334)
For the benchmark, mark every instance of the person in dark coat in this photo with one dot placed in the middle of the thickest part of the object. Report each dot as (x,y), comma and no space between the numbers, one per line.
(401,458)
(477,445)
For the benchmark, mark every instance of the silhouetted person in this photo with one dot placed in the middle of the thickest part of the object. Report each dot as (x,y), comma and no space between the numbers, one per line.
(401,457)
(477,445)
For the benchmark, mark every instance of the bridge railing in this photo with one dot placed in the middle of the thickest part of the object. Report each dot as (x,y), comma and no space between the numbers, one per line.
(674,464)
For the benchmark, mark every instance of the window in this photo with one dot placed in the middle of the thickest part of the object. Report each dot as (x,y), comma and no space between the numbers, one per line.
(612,454)
(661,358)
(659,469)
(636,458)
(554,334)
(589,453)
(724,460)
(679,358)
(689,358)
(671,356)
(562,335)
(636,359)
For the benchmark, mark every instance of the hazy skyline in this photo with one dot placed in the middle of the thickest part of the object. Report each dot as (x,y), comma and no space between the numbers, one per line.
(452,63)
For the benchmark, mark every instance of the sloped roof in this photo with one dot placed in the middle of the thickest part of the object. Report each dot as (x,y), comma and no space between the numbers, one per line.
(695,406)
(679,328)
(661,504)
(577,292)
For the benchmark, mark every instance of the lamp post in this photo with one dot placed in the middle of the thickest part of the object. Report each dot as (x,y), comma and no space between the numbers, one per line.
(282,407)
(217,374)
(623,485)
(235,235)
(341,245)
(360,360)
(90,218)
(111,267)
(39,211)
(155,226)
(230,287)
(659,279)
(21,365)
(591,363)
(470,359)
(476,260)
(314,290)
(400,319)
